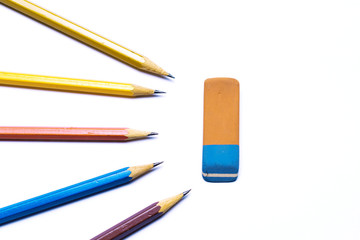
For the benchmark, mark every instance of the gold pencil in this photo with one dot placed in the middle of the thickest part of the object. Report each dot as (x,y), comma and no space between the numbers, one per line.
(83,35)
(74,85)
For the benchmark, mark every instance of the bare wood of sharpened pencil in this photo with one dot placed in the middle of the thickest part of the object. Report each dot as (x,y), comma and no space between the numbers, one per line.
(83,35)
(75,85)
(140,219)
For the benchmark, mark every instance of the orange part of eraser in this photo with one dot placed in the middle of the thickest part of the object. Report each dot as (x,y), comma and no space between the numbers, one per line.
(221,111)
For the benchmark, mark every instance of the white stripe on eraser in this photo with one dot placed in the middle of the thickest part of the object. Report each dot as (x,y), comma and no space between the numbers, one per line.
(220,174)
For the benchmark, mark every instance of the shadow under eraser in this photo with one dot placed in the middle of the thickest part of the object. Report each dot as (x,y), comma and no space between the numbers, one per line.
(221,130)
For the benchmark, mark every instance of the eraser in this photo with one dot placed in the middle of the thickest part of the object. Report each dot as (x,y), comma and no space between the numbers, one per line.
(221,130)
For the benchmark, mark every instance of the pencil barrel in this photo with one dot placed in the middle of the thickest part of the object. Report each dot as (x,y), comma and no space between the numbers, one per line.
(64,195)
(76,31)
(131,224)
(72,84)
(64,134)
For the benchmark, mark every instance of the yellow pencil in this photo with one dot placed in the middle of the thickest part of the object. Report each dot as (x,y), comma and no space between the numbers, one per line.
(74,85)
(83,35)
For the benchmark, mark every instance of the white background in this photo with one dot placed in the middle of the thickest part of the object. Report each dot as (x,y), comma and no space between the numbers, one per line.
(298,66)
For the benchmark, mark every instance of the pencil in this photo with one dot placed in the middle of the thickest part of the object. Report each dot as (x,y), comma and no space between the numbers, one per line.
(71,134)
(85,36)
(140,219)
(75,85)
(73,192)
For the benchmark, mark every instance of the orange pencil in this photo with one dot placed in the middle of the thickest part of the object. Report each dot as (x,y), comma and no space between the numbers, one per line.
(71,134)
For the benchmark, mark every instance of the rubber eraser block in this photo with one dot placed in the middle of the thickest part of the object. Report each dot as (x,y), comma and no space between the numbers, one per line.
(221,130)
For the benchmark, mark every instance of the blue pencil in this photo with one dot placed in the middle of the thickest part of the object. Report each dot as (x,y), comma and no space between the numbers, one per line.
(71,193)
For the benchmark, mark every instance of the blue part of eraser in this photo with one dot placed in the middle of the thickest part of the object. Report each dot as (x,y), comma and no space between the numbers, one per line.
(220,163)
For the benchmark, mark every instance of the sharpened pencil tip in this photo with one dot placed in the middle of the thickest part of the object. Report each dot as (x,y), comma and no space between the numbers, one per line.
(157,163)
(186,192)
(171,76)
(158,91)
(153,133)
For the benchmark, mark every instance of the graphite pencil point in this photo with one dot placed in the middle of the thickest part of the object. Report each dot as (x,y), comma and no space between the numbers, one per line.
(153,133)
(157,163)
(158,91)
(171,76)
(186,192)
